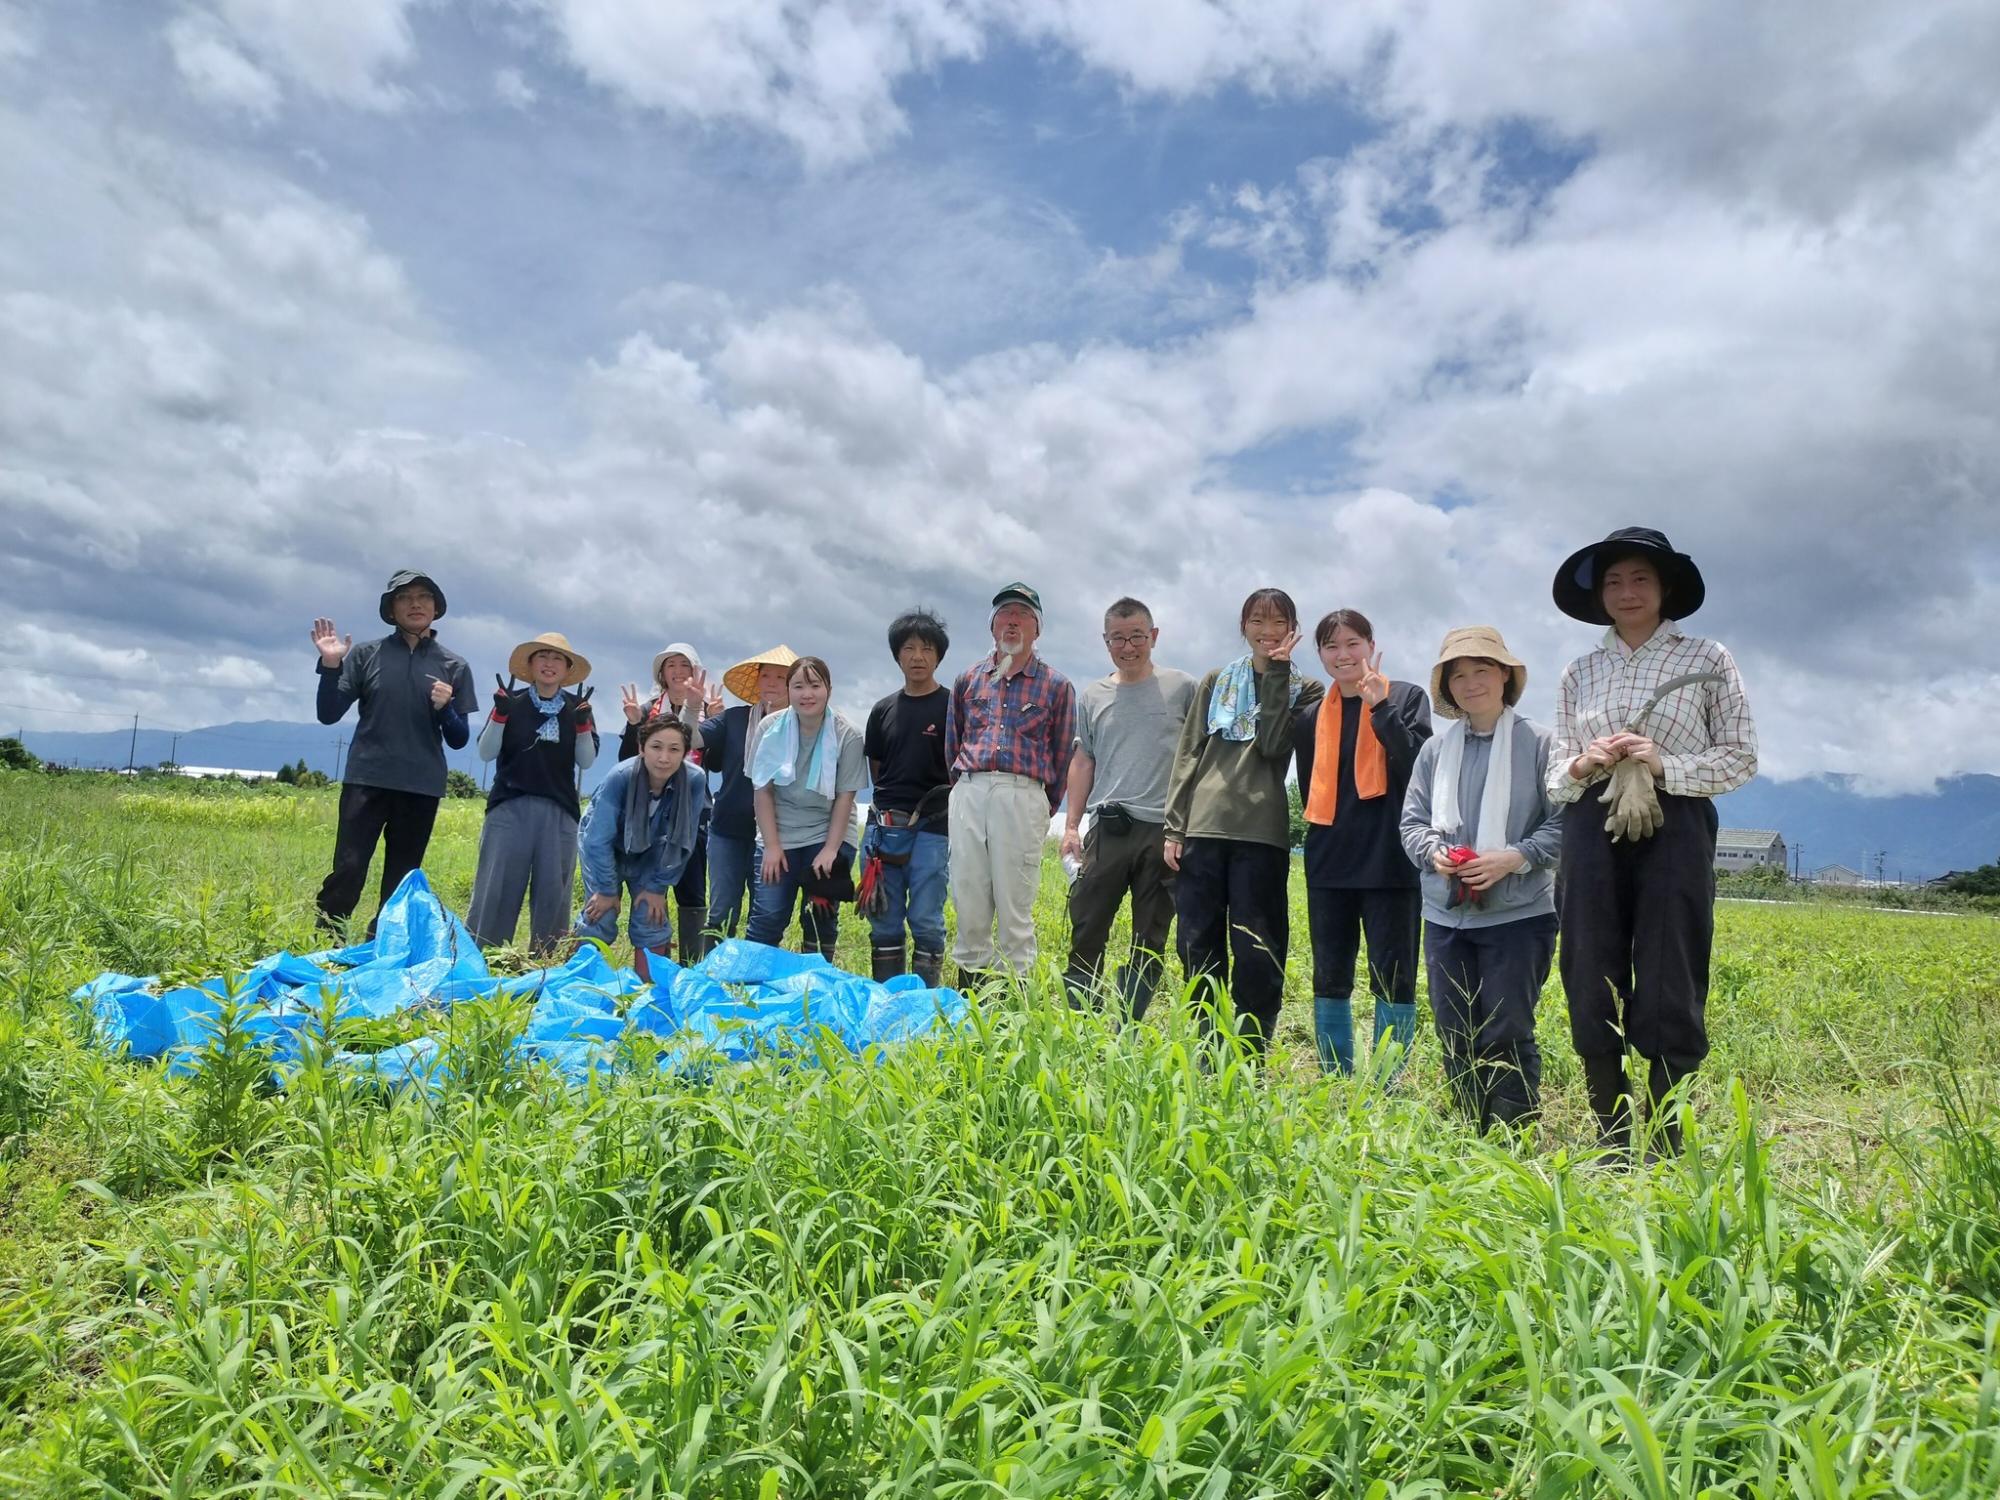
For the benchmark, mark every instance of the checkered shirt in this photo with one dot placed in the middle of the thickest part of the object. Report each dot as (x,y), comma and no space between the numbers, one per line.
(1708,744)
(1025,724)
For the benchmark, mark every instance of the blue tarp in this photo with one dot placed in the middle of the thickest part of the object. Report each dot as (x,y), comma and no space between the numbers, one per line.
(744,1000)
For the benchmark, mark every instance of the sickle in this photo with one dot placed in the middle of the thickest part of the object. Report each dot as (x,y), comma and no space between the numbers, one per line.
(1671,685)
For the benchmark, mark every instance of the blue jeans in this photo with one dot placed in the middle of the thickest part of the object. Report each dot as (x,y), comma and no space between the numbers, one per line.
(914,893)
(643,933)
(732,869)
(771,905)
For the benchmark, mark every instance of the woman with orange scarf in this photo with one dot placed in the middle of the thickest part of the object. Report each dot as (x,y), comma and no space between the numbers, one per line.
(1355,752)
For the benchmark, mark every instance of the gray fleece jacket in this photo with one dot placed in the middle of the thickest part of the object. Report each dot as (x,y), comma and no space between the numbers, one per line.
(1534,826)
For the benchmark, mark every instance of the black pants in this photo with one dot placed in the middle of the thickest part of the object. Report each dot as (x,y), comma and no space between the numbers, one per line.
(1230,898)
(1638,920)
(692,888)
(1115,864)
(401,820)
(1485,982)
(1391,918)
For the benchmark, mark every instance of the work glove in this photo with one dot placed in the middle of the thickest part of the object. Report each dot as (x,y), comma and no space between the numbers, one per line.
(1634,802)
(585,724)
(502,691)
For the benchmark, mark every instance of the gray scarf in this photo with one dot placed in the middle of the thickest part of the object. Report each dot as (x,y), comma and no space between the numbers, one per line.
(683,813)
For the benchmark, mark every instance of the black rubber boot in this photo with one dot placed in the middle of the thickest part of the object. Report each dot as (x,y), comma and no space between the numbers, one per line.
(691,942)
(927,966)
(885,962)
(1611,1102)
(971,981)
(1664,1115)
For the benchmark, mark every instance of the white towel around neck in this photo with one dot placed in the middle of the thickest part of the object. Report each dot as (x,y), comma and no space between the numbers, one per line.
(1493,800)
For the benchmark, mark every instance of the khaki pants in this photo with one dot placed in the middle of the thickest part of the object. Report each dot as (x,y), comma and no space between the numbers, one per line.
(999,823)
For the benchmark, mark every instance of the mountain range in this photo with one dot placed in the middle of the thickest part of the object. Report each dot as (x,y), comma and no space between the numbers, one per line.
(1824,819)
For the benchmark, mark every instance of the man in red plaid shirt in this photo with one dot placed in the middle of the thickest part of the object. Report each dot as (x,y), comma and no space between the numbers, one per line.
(1008,742)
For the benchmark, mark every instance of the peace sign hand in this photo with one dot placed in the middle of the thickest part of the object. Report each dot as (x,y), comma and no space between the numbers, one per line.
(707,692)
(502,691)
(581,714)
(1374,685)
(629,696)
(330,644)
(1283,650)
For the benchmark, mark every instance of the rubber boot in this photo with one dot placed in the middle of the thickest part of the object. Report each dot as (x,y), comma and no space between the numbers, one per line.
(691,940)
(1664,1115)
(928,966)
(885,962)
(971,981)
(1399,1021)
(1611,1101)
(1333,1030)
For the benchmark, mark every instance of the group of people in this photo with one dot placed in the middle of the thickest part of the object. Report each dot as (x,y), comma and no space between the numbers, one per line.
(1480,844)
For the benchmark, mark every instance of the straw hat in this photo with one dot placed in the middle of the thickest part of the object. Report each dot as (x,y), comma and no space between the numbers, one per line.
(741,679)
(579,666)
(1473,640)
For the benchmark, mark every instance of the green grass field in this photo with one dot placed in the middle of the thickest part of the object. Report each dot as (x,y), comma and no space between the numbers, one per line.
(1038,1258)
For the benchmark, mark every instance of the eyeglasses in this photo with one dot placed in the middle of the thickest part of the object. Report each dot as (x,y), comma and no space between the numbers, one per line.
(1117,641)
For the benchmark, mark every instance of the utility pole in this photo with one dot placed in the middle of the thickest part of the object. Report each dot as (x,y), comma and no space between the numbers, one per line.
(174,755)
(132,755)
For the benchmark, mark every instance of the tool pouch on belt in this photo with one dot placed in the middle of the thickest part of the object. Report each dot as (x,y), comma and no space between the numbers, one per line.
(1113,818)
(887,843)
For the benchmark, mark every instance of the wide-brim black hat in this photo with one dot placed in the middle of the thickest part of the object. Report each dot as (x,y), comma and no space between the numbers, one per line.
(403,578)
(1577,589)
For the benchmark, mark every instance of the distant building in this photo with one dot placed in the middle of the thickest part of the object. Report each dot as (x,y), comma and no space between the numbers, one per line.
(214,773)
(1840,875)
(1739,849)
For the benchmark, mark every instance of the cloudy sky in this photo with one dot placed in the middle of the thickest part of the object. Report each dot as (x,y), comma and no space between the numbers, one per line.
(746,320)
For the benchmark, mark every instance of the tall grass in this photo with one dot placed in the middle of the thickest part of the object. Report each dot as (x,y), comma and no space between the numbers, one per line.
(1040,1257)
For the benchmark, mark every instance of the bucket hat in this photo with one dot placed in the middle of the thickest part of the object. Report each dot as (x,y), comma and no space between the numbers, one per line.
(402,578)
(675,648)
(1473,640)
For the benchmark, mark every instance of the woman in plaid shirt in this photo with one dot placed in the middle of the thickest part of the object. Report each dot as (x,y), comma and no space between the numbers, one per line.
(1638,914)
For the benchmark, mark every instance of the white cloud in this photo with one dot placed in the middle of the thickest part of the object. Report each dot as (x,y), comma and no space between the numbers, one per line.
(1774,342)
(820,75)
(512,89)
(20,39)
(216,70)
(233,52)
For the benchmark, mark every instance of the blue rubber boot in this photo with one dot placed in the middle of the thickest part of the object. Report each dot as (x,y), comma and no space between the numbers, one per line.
(1333,1029)
(1399,1021)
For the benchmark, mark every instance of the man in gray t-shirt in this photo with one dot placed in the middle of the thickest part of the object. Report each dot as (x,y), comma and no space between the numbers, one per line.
(1127,725)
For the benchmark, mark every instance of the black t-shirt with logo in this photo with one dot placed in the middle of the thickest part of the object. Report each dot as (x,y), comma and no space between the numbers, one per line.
(904,742)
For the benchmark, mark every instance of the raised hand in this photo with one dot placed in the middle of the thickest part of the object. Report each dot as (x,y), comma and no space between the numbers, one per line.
(330,643)
(1374,683)
(1283,650)
(502,691)
(582,713)
(711,695)
(629,695)
(440,692)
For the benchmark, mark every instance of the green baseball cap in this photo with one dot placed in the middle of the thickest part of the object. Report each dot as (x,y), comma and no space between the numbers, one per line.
(1018,593)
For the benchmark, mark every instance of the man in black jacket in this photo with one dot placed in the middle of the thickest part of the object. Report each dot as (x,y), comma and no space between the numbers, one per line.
(415,698)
